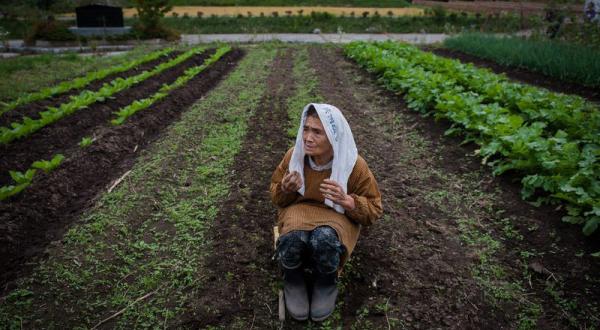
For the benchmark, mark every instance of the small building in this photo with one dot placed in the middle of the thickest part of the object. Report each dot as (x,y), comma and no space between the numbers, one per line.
(99,18)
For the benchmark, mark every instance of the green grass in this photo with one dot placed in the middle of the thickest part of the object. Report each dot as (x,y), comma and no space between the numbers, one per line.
(333,3)
(307,91)
(331,24)
(147,237)
(568,62)
(34,72)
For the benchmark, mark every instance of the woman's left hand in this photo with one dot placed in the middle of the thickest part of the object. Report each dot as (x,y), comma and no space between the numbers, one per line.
(334,192)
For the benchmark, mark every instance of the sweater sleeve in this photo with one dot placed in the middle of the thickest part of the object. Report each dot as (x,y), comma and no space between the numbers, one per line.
(367,197)
(278,197)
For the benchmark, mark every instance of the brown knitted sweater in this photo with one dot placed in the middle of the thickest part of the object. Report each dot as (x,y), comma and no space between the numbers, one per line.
(297,212)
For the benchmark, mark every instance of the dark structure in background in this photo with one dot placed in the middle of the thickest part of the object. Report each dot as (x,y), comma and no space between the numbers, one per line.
(99,16)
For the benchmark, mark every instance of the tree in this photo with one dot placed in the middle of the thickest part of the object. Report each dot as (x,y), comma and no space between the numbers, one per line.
(150,12)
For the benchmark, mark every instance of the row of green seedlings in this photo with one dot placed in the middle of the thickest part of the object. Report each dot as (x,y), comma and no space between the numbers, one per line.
(29,126)
(164,91)
(542,143)
(570,113)
(80,82)
(22,180)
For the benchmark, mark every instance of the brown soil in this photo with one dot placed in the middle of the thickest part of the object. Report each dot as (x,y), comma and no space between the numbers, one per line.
(523,75)
(401,254)
(242,235)
(412,260)
(67,132)
(32,110)
(31,220)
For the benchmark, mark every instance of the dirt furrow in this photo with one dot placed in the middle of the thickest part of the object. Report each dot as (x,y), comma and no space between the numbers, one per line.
(242,231)
(67,132)
(41,214)
(33,109)
(409,266)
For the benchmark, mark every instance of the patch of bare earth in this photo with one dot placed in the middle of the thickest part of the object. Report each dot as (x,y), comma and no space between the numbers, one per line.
(240,265)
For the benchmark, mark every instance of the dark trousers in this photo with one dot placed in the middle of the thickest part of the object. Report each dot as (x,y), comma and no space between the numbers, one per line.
(319,249)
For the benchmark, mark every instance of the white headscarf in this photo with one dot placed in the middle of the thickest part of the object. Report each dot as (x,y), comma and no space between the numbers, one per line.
(341,139)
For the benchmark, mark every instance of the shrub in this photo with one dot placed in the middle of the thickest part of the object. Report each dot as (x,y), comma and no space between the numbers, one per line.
(365,14)
(50,30)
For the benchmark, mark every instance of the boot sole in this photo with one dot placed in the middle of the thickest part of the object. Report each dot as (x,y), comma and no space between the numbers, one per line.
(322,318)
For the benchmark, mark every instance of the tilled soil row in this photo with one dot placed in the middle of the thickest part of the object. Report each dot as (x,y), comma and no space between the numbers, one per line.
(33,109)
(67,132)
(44,211)
(523,75)
(399,262)
(242,231)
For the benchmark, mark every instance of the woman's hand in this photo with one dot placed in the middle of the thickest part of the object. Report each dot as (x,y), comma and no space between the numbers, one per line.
(334,192)
(291,182)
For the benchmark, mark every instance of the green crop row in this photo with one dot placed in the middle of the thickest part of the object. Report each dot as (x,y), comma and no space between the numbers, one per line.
(164,91)
(28,126)
(22,180)
(566,61)
(570,113)
(552,156)
(80,82)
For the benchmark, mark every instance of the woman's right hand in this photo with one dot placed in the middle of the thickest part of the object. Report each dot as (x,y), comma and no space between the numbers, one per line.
(291,182)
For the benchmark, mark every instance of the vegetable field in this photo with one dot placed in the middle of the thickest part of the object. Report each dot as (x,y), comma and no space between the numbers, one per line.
(137,195)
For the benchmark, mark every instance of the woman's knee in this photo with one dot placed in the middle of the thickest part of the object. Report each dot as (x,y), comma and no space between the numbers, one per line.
(291,248)
(326,249)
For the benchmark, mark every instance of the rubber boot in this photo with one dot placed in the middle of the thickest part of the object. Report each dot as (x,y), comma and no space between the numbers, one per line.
(295,293)
(323,296)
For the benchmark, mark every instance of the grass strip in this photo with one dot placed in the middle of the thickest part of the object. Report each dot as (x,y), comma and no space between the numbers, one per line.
(342,3)
(148,235)
(569,62)
(307,91)
(53,114)
(164,91)
(328,23)
(81,82)
(561,167)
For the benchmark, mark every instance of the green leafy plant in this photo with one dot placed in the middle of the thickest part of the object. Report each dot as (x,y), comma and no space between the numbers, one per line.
(164,91)
(86,142)
(22,180)
(81,82)
(48,165)
(550,139)
(28,126)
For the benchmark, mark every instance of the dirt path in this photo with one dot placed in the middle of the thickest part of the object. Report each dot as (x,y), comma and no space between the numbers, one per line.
(242,231)
(29,221)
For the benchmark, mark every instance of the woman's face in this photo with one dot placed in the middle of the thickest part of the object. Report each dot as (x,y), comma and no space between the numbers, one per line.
(315,138)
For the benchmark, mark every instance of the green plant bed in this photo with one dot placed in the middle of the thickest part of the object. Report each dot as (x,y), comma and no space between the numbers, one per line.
(564,61)
(330,24)
(336,3)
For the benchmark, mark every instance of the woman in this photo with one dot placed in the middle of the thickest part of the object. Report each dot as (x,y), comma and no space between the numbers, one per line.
(324,191)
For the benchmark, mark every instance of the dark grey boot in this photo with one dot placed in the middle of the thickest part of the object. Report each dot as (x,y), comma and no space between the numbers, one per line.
(295,293)
(323,296)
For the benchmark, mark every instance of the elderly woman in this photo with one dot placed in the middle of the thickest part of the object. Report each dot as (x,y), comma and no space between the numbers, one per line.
(325,192)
